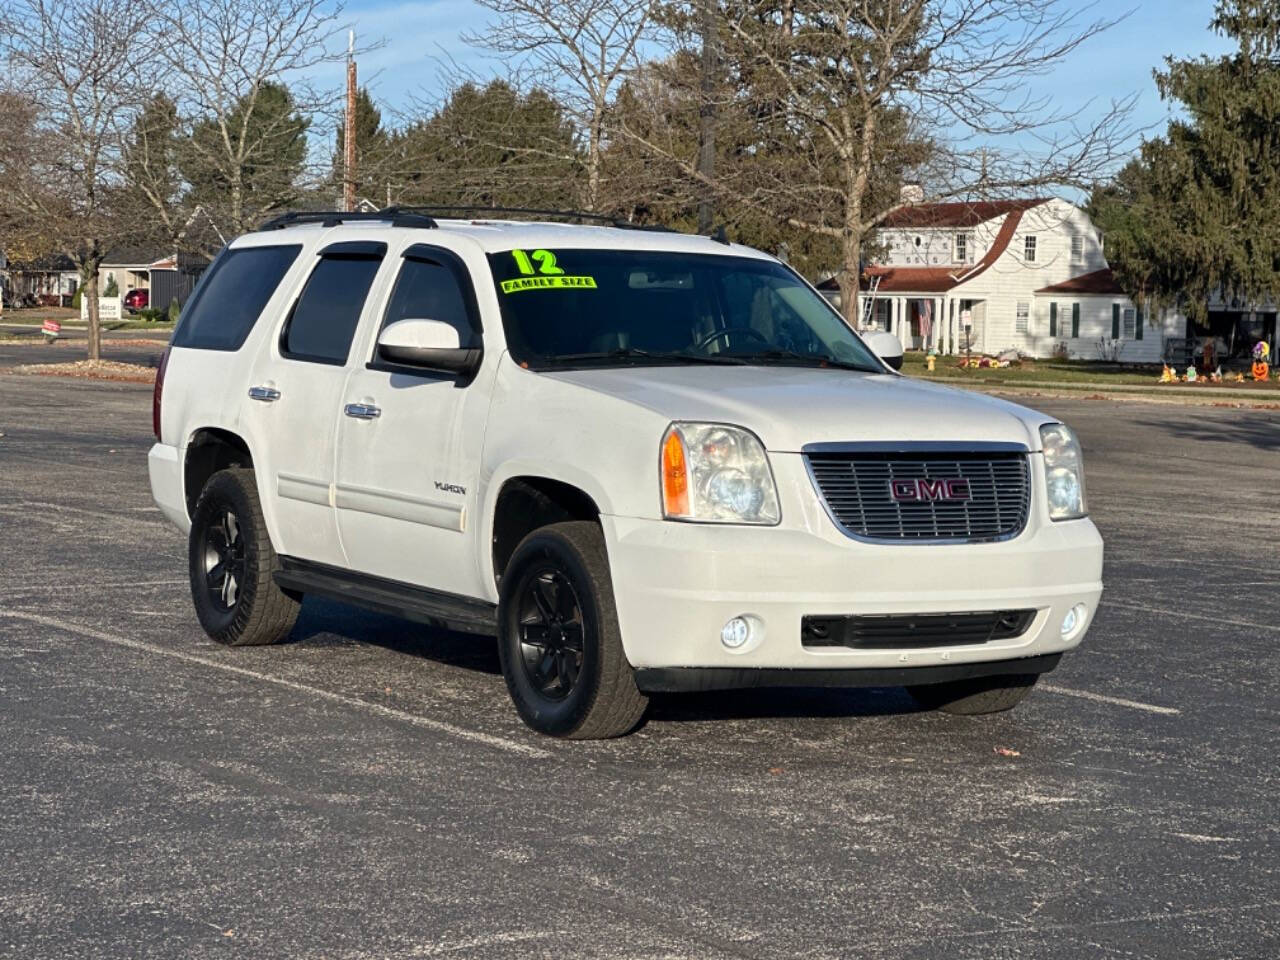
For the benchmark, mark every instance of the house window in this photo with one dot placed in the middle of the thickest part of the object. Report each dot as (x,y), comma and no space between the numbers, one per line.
(1024,312)
(1029,250)
(1128,315)
(962,248)
(1077,249)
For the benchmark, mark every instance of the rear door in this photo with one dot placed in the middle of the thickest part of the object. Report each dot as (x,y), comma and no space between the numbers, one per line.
(296,397)
(409,441)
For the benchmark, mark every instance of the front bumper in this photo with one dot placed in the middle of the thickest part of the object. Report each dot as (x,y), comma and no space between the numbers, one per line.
(676,584)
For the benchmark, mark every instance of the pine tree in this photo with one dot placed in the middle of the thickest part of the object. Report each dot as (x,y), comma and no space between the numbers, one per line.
(1197,213)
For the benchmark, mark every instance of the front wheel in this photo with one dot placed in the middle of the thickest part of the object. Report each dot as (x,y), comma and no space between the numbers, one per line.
(232,562)
(976,695)
(559,640)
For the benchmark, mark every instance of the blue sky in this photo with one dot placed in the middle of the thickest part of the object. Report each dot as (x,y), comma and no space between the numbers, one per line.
(416,35)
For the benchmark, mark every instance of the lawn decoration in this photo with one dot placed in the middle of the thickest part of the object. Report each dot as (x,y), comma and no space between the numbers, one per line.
(1261,370)
(1191,373)
(1216,376)
(1168,375)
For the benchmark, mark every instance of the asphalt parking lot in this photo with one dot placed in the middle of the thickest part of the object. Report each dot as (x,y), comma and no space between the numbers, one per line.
(366,791)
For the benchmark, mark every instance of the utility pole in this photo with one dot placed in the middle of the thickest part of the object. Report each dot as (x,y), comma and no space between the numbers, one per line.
(710,70)
(349,137)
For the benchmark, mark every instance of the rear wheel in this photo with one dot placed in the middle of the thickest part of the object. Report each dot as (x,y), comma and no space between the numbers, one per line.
(231,563)
(559,641)
(976,695)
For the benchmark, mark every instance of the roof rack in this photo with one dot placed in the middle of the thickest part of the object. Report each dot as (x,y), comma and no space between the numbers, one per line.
(331,218)
(598,218)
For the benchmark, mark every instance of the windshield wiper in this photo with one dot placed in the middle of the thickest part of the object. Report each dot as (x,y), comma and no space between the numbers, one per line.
(807,359)
(636,353)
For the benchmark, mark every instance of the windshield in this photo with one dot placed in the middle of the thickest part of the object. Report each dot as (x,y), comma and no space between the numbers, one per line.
(617,307)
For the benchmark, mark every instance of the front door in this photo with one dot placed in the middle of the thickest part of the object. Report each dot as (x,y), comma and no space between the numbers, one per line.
(409,443)
(296,397)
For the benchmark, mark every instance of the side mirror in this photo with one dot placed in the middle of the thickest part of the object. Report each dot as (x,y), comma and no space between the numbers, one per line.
(886,346)
(429,344)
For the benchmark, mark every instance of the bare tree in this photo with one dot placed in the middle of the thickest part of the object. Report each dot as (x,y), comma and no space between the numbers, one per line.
(847,99)
(76,63)
(582,49)
(227,63)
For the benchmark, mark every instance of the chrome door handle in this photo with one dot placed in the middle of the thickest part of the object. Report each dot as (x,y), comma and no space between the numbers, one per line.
(362,411)
(265,394)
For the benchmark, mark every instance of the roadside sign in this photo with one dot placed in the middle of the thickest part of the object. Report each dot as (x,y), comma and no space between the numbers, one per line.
(109,308)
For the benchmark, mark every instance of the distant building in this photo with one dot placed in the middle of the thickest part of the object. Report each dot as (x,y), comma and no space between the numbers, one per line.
(1027,275)
(50,280)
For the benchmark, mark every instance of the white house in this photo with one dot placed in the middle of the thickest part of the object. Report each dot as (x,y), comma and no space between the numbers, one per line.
(1028,275)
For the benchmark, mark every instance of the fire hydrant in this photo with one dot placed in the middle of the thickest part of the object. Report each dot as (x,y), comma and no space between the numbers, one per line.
(931,360)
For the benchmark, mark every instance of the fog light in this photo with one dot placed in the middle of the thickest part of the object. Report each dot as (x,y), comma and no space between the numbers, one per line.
(1073,621)
(735,633)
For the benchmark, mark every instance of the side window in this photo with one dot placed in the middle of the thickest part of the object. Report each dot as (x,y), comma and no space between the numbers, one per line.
(426,290)
(325,317)
(231,297)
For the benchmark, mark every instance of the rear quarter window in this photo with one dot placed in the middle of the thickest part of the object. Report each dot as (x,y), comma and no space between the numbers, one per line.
(231,297)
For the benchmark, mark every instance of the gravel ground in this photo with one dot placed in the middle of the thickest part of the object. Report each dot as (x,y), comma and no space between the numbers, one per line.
(365,790)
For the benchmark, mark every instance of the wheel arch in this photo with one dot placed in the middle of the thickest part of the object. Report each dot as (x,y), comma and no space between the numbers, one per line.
(208,450)
(524,502)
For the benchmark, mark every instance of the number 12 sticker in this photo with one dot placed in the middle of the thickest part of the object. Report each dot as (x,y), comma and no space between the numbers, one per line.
(546,263)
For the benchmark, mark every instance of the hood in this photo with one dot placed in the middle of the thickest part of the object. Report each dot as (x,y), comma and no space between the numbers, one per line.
(789,407)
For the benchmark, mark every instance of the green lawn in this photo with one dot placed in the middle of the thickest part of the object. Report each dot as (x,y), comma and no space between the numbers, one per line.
(69,321)
(1060,371)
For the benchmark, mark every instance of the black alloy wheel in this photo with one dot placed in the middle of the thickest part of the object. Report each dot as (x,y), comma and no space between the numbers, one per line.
(232,563)
(551,632)
(225,565)
(558,636)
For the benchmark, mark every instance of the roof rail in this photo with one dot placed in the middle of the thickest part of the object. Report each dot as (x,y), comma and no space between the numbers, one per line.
(599,218)
(331,218)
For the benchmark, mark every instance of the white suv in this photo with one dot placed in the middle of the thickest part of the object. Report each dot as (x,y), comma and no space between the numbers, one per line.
(646,461)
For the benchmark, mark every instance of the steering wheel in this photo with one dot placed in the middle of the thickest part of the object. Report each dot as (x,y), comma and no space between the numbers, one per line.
(728,331)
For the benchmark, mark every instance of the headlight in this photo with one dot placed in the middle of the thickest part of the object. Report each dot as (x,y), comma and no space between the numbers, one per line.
(1063,472)
(716,474)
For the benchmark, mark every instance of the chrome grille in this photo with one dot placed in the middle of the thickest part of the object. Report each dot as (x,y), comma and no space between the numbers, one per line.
(855,486)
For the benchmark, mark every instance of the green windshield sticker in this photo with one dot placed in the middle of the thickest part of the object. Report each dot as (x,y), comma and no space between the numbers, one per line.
(548,283)
(546,263)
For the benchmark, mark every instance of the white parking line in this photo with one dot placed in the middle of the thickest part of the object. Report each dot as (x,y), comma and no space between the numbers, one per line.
(418,721)
(1114,701)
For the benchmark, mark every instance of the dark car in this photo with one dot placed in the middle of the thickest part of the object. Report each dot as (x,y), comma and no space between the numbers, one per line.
(136,300)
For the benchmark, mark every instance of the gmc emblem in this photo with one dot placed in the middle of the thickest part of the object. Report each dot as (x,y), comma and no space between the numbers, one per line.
(930,491)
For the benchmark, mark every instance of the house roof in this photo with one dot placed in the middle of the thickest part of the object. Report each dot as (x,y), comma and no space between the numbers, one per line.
(52,263)
(139,256)
(962,214)
(1100,281)
(942,279)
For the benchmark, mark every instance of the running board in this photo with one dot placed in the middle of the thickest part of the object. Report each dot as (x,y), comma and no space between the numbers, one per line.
(405,600)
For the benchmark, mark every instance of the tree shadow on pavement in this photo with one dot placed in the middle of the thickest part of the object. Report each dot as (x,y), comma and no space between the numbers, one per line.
(1259,432)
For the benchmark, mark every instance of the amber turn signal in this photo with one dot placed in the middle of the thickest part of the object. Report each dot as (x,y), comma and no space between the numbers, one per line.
(675,476)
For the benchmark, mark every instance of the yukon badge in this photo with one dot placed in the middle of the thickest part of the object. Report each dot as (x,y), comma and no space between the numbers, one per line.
(955,489)
(451,488)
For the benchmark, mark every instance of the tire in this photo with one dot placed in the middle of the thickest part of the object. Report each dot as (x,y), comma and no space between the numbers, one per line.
(558,637)
(241,606)
(976,695)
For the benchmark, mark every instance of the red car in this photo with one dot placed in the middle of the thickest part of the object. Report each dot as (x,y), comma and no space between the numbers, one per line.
(136,300)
